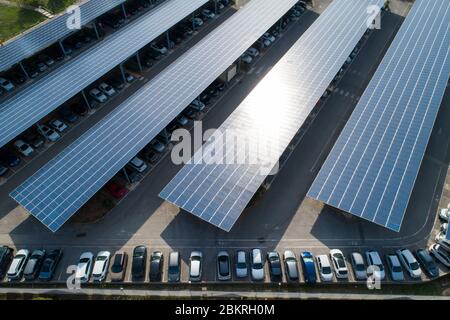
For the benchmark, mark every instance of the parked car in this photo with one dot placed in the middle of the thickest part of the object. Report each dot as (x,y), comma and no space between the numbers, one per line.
(219,85)
(3,170)
(101,266)
(427,262)
(157,146)
(129,77)
(68,115)
(208,14)
(150,155)
(6,256)
(137,164)
(119,266)
(195,266)
(17,77)
(80,109)
(174,270)
(196,21)
(6,85)
(257,265)
(374,261)
(268,36)
(197,105)
(444,214)
(116,190)
(84,267)
(58,125)
(24,148)
(139,262)
(339,264)
(247,59)
(253,52)
(49,61)
(97,95)
(409,262)
(33,139)
(324,267)
(9,158)
(107,89)
(440,254)
(241,264)
(274,261)
(48,133)
(309,269)
(358,266)
(34,264)
(17,265)
(49,265)
(159,48)
(223,266)
(290,265)
(156,266)
(394,267)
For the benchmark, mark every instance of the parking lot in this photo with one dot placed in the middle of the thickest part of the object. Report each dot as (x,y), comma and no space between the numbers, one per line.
(283,218)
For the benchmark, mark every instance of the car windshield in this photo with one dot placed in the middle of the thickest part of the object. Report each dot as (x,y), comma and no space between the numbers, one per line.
(414,266)
(46,266)
(340,261)
(241,265)
(396,269)
(326,270)
(101,258)
(360,267)
(84,260)
(23,147)
(173,269)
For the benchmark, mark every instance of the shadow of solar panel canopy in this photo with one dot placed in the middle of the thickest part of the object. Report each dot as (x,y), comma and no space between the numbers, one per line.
(63,185)
(373,166)
(49,32)
(35,102)
(218,191)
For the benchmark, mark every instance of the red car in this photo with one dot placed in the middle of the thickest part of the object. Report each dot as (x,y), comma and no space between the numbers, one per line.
(116,190)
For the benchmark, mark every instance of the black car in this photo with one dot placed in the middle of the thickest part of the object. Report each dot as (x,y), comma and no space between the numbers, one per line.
(156,266)
(139,262)
(6,256)
(205,98)
(9,158)
(190,113)
(68,115)
(427,262)
(219,85)
(80,109)
(117,84)
(33,265)
(49,265)
(16,77)
(150,155)
(174,267)
(32,138)
(73,42)
(274,265)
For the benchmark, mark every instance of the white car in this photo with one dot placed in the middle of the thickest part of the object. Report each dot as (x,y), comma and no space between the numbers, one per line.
(440,254)
(358,266)
(98,95)
(58,125)
(241,264)
(253,52)
(324,266)
(375,266)
(444,243)
(340,267)
(257,265)
(444,227)
(107,89)
(208,14)
(48,133)
(441,236)
(196,21)
(409,262)
(17,265)
(158,48)
(266,42)
(197,105)
(195,266)
(84,267)
(6,85)
(268,36)
(101,265)
(395,268)
(24,148)
(138,164)
(247,59)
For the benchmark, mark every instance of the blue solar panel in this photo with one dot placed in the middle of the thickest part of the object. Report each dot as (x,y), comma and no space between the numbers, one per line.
(268,119)
(62,186)
(49,32)
(35,102)
(373,166)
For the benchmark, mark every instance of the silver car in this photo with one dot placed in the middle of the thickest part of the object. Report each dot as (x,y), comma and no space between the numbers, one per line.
(358,266)
(394,267)
(195,266)
(241,264)
(257,265)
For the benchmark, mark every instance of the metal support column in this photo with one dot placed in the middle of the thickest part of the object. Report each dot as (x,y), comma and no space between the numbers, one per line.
(86,100)
(122,72)
(193,24)
(138,58)
(96,30)
(124,11)
(23,69)
(125,173)
(168,40)
(62,48)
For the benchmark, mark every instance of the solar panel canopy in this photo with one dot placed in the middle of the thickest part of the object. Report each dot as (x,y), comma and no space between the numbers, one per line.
(373,166)
(68,181)
(35,102)
(49,32)
(223,177)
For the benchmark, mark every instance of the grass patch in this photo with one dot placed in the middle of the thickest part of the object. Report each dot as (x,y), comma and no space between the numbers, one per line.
(55,6)
(16,20)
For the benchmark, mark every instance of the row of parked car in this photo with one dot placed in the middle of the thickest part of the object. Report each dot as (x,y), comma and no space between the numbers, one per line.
(41,265)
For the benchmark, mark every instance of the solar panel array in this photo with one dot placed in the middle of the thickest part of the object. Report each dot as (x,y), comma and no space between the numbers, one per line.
(49,32)
(62,186)
(373,166)
(224,176)
(35,102)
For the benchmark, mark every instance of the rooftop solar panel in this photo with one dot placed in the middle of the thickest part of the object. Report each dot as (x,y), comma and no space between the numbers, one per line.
(62,186)
(35,102)
(373,166)
(49,32)
(266,121)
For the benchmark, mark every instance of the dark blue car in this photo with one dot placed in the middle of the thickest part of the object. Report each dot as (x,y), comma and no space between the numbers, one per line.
(309,269)
(10,159)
